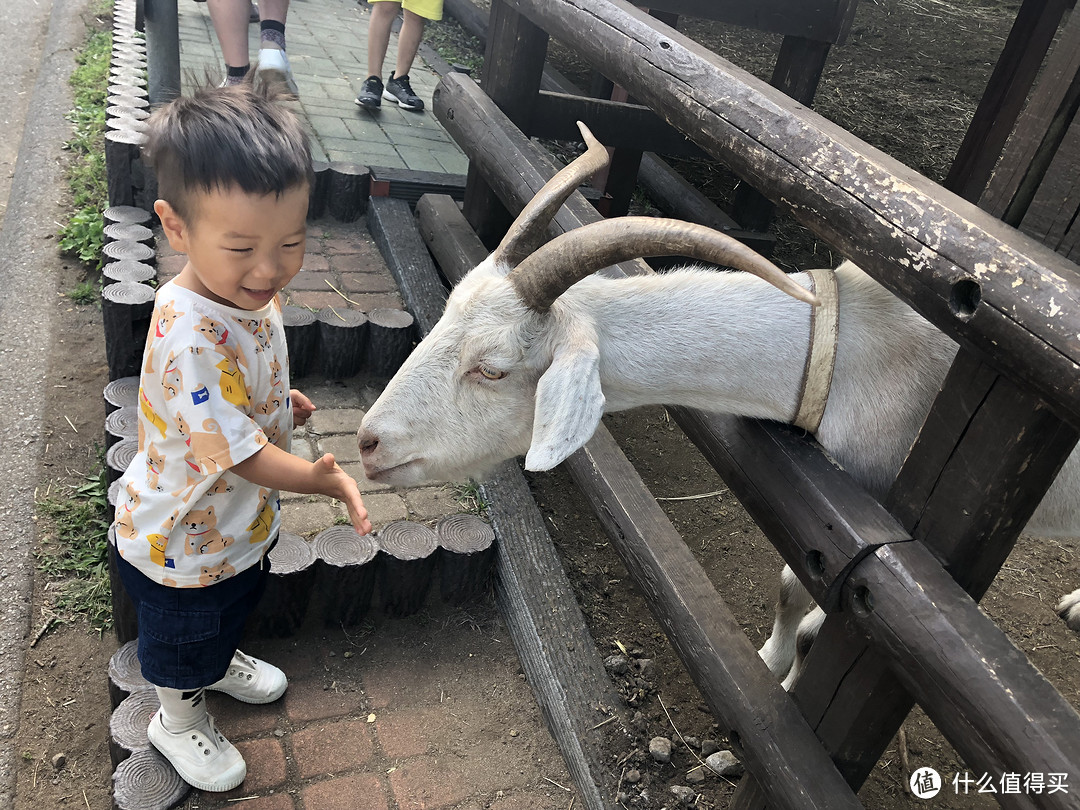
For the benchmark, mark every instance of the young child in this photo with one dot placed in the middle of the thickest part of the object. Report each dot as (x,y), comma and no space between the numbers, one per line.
(200,506)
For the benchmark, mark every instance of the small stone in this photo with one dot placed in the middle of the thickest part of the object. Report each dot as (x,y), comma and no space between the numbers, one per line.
(696,776)
(617,664)
(513,732)
(348,654)
(691,742)
(279,732)
(647,669)
(709,747)
(684,794)
(59,761)
(724,763)
(660,749)
(632,776)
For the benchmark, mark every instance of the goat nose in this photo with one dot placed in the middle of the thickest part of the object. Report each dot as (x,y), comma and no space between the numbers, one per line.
(367,441)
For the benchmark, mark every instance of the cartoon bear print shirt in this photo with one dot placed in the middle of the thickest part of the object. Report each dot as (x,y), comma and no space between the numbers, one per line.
(214,390)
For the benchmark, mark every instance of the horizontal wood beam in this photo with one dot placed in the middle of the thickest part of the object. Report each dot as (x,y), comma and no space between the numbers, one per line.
(996,291)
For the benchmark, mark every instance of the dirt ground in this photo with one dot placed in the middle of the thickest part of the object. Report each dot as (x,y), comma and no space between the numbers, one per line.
(907,81)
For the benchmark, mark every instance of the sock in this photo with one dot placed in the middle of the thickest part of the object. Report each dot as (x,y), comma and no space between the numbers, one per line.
(273,32)
(235,75)
(181,709)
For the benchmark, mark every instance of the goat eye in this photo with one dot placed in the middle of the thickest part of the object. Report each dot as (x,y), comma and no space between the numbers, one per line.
(489,373)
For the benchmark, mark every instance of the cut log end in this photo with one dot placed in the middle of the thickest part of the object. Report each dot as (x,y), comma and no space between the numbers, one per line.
(128,724)
(407,540)
(342,546)
(464,533)
(146,781)
(290,554)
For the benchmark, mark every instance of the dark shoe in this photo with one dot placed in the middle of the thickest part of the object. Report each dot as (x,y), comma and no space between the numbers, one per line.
(371,92)
(401,91)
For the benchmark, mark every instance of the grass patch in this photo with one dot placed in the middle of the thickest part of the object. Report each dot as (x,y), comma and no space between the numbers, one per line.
(83,235)
(454,44)
(470,500)
(74,526)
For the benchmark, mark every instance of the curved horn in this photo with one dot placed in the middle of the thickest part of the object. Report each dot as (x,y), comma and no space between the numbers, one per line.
(528,229)
(554,267)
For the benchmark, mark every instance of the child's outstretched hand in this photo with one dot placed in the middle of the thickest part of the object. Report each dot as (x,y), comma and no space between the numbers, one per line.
(302,408)
(338,484)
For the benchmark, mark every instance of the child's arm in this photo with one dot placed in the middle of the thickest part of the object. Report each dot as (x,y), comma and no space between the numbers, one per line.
(302,408)
(274,468)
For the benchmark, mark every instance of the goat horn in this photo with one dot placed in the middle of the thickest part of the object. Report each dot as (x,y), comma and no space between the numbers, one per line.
(528,229)
(554,267)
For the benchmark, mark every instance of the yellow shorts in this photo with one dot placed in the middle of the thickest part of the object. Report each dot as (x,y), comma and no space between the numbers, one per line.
(429,9)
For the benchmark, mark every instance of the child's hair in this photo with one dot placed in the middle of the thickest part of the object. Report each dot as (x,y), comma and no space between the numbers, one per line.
(226,137)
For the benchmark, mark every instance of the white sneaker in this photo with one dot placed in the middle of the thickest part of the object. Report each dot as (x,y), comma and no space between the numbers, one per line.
(252,680)
(274,66)
(202,756)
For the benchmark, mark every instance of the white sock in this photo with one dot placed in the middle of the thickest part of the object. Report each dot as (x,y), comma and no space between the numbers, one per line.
(181,709)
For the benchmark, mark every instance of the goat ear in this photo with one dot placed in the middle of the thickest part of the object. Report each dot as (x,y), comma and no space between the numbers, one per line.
(569,404)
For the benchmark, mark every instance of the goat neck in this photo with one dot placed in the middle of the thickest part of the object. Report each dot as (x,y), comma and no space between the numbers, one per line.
(704,339)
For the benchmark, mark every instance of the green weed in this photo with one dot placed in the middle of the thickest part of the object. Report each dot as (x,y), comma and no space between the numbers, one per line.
(74,529)
(82,236)
(469,498)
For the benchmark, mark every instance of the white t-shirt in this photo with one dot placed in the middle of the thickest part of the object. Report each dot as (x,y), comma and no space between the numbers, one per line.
(214,389)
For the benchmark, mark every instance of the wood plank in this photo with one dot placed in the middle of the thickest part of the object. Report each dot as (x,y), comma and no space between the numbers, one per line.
(471,17)
(796,73)
(447,233)
(914,237)
(1029,150)
(394,231)
(1014,74)
(513,67)
(820,521)
(616,125)
(781,750)
(410,184)
(1056,202)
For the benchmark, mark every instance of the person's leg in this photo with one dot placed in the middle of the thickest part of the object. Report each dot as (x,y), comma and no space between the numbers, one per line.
(184,732)
(230,18)
(273,63)
(273,12)
(409,38)
(382,19)
(379,25)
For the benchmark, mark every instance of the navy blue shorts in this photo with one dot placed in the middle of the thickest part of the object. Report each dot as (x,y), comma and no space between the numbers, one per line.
(187,636)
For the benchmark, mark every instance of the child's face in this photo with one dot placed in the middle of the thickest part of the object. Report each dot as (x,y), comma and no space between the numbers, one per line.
(242,248)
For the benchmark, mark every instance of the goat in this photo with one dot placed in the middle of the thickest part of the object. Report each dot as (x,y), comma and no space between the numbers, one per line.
(533,349)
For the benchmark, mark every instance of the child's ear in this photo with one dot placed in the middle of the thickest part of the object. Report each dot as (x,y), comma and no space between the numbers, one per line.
(176,230)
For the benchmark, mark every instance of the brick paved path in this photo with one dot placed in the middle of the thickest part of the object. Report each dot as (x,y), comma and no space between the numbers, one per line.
(327,47)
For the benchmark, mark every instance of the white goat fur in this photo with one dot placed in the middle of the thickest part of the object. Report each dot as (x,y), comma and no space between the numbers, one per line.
(725,342)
